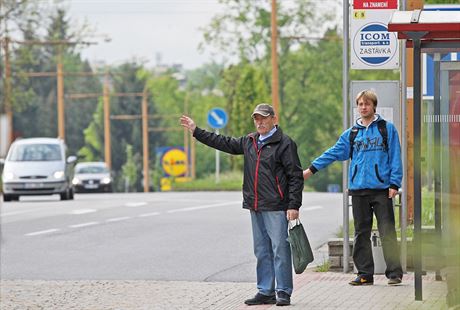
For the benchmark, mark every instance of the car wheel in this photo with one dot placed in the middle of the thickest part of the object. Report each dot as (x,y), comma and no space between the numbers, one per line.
(65,195)
(7,197)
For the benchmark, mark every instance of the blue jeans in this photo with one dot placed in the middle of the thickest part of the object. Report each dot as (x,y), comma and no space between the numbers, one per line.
(272,250)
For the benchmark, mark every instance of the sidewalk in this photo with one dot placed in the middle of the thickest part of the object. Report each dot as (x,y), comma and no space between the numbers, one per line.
(312,290)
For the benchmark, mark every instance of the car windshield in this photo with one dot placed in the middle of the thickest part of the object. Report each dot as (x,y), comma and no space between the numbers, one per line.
(92,169)
(36,152)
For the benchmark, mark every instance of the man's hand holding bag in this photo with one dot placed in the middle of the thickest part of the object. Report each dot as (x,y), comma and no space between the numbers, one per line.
(302,254)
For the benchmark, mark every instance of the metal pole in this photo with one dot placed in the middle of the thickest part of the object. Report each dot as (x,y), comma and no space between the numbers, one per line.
(417,169)
(437,157)
(274,59)
(60,96)
(345,74)
(145,140)
(107,138)
(403,133)
(217,161)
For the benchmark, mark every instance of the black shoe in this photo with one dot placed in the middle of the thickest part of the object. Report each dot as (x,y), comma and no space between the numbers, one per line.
(394,281)
(260,299)
(362,280)
(283,299)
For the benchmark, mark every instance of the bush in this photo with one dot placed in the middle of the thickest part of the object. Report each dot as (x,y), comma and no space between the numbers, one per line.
(228,181)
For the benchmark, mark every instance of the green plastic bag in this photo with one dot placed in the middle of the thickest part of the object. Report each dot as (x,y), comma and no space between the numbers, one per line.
(302,254)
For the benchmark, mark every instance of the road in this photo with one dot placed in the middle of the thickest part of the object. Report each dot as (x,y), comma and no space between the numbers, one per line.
(193,236)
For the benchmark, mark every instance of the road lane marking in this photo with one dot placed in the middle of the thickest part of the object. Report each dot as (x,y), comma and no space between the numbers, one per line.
(311,208)
(135,204)
(82,211)
(149,214)
(83,224)
(118,219)
(204,207)
(42,232)
(21,212)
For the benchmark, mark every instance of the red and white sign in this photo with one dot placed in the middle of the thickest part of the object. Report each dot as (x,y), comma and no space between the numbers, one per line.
(375,4)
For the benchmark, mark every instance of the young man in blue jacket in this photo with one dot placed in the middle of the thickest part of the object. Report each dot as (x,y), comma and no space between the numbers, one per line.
(375,176)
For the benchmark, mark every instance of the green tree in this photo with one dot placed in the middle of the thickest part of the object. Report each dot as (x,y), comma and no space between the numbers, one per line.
(244,26)
(36,102)
(130,169)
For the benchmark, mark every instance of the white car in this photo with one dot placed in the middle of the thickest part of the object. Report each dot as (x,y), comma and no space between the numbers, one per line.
(92,177)
(37,166)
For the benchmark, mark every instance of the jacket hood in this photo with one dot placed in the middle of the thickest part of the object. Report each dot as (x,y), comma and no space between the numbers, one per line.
(359,122)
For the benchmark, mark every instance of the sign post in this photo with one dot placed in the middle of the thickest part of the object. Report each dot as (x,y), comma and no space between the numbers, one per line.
(217,118)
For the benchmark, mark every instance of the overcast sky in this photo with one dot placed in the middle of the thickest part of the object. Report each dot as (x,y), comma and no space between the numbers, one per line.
(145,29)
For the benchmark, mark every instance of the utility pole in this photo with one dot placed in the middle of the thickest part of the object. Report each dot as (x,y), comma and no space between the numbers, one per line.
(59,76)
(106,99)
(107,141)
(145,139)
(7,90)
(60,95)
(187,140)
(274,58)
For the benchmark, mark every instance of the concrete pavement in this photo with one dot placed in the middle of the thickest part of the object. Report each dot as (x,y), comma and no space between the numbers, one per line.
(312,290)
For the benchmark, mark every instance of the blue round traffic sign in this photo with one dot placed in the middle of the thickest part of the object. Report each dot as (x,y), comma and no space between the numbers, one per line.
(217,118)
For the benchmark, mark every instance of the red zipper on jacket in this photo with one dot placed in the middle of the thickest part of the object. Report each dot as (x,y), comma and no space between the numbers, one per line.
(279,187)
(256,178)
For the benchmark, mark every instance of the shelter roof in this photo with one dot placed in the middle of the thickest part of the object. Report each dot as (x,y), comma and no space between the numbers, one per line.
(442,27)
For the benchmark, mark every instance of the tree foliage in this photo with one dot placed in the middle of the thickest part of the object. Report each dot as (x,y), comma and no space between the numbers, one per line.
(34,99)
(243,29)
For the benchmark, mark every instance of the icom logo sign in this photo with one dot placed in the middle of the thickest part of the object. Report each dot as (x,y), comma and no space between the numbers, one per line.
(374,46)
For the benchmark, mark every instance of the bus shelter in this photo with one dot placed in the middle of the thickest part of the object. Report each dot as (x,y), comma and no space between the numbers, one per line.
(436,33)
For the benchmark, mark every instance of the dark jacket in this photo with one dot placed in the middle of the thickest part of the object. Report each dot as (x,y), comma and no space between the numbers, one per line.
(273,178)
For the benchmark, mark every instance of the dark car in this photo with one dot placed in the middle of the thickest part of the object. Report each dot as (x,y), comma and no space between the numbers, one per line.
(92,177)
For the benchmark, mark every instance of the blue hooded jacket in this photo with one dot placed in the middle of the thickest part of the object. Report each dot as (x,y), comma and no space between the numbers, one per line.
(371,167)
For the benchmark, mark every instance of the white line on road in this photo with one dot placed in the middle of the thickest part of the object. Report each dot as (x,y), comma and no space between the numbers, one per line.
(149,214)
(42,232)
(204,207)
(135,204)
(21,212)
(311,208)
(118,219)
(83,211)
(83,224)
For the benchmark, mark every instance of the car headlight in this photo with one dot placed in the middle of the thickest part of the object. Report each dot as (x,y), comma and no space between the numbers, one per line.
(76,181)
(58,174)
(106,180)
(8,176)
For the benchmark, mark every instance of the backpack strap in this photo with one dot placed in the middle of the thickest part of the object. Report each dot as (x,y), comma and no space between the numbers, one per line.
(353,134)
(382,126)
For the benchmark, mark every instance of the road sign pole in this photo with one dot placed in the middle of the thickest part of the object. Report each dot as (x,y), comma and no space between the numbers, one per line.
(217,118)
(217,161)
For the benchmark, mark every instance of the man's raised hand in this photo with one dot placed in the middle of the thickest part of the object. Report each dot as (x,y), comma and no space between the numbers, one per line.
(188,123)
